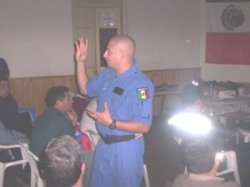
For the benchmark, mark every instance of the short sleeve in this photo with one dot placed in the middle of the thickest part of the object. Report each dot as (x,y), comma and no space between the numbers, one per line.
(142,97)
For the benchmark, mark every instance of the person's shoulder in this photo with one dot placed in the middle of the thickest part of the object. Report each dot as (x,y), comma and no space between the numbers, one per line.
(50,115)
(180,180)
(106,71)
(52,112)
(60,120)
(105,74)
(140,77)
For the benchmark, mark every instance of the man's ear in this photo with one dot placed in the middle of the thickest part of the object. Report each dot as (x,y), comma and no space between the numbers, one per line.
(123,53)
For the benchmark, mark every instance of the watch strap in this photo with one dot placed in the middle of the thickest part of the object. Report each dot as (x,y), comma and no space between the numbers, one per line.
(113,124)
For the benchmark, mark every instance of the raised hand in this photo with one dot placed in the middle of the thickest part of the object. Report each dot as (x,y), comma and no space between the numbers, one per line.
(81,46)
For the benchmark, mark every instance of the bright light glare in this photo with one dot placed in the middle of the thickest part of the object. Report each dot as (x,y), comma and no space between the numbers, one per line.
(193,123)
(195,83)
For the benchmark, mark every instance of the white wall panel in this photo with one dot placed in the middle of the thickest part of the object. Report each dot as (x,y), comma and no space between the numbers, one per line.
(167,33)
(36,37)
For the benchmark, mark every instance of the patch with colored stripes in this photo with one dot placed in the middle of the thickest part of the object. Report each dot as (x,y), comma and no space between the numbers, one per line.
(142,93)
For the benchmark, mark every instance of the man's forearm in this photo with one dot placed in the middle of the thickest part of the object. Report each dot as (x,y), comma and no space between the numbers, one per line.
(82,77)
(132,126)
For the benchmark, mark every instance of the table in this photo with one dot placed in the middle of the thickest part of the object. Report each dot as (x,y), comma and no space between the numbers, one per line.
(231,112)
(229,105)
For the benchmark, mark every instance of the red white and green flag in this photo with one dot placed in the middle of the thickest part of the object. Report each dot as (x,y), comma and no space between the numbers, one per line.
(142,93)
(228,32)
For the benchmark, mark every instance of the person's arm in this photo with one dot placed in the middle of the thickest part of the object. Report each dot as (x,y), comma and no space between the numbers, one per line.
(130,126)
(80,55)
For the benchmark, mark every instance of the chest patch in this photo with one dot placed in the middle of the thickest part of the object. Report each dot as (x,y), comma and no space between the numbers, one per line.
(118,90)
(142,93)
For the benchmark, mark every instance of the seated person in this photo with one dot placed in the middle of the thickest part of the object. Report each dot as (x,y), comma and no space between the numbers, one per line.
(9,115)
(4,69)
(79,104)
(61,163)
(88,124)
(201,163)
(191,98)
(56,120)
(8,137)
(191,101)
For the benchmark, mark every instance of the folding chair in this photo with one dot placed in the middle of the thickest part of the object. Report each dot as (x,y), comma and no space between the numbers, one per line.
(35,179)
(145,174)
(230,166)
(6,164)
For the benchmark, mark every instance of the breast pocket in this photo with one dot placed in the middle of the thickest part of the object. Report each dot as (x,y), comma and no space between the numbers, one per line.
(115,104)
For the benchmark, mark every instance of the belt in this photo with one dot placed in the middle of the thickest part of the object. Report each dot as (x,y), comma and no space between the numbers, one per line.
(109,139)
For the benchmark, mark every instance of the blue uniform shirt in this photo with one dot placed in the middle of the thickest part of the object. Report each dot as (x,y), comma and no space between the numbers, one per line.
(129,98)
(122,94)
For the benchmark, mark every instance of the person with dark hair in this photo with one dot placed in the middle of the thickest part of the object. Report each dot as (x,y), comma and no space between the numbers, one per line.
(54,94)
(124,112)
(61,163)
(8,105)
(200,159)
(4,69)
(56,120)
(17,123)
(10,118)
(191,98)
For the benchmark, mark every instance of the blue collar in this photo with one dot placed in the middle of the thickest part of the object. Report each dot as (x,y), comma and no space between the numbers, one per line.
(132,70)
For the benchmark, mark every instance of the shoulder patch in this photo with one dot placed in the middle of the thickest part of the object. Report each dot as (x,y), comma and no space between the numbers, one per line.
(142,93)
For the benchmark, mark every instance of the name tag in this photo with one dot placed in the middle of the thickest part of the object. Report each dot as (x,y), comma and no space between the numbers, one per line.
(118,90)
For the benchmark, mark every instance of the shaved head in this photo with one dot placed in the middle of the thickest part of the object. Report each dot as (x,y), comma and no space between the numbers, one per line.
(125,44)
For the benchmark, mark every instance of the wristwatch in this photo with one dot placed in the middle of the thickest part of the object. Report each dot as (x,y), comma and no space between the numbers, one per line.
(113,125)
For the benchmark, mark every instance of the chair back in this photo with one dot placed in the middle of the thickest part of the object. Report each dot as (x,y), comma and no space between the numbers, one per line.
(229,166)
(35,179)
(27,157)
(5,164)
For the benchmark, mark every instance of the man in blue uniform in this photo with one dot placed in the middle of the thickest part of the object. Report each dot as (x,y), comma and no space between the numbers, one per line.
(124,112)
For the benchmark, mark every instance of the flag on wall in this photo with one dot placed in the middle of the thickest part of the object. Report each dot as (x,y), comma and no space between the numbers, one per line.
(228,32)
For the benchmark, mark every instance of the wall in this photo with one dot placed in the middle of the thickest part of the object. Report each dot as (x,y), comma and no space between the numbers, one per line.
(171,34)
(36,37)
(30,92)
(36,40)
(167,33)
